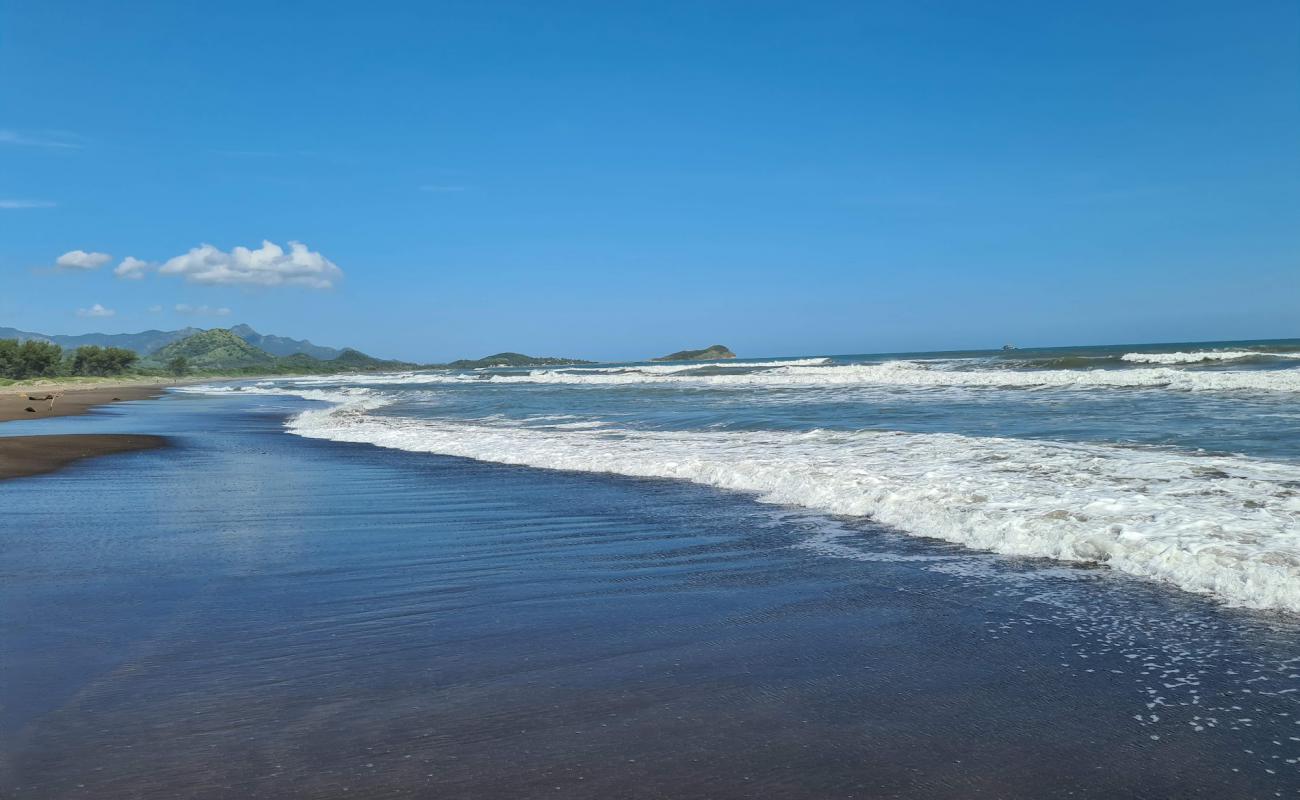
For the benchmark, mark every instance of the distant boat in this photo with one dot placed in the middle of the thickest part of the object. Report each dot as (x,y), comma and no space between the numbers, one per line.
(1009,347)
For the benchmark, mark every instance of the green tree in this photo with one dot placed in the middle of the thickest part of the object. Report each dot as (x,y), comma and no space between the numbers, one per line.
(30,359)
(8,358)
(119,359)
(178,365)
(87,360)
(95,360)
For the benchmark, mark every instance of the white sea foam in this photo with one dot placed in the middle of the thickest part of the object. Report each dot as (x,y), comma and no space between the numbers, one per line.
(1200,356)
(1219,525)
(352,397)
(898,373)
(637,371)
(673,369)
(370,378)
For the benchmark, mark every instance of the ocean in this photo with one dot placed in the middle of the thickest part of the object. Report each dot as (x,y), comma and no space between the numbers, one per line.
(1179,463)
(1025,574)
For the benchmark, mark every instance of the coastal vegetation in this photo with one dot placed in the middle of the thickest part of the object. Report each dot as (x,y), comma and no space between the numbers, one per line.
(148,342)
(221,351)
(212,352)
(37,359)
(29,359)
(711,353)
(238,350)
(101,361)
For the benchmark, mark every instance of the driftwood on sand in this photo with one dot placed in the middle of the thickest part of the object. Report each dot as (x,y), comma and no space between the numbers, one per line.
(50,397)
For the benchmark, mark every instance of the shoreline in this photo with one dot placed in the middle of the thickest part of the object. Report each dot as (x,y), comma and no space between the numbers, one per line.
(69,399)
(24,455)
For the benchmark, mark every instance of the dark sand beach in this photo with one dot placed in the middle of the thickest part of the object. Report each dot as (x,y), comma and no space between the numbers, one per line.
(260,615)
(15,400)
(32,455)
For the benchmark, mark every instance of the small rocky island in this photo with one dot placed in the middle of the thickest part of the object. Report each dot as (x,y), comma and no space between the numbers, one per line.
(713,353)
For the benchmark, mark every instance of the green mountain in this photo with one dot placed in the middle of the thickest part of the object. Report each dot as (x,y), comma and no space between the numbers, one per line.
(148,342)
(143,343)
(222,351)
(241,349)
(712,353)
(216,350)
(514,360)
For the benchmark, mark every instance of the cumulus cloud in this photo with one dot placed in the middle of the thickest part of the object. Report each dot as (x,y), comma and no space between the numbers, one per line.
(80,259)
(268,265)
(95,311)
(131,268)
(201,311)
(11,204)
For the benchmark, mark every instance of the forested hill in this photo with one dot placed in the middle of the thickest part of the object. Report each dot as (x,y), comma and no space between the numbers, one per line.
(148,342)
(221,350)
(214,352)
(712,353)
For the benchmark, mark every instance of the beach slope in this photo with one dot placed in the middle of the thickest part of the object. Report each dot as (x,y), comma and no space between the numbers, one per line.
(21,456)
(33,455)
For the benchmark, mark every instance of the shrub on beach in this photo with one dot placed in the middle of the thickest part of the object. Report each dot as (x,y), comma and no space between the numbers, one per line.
(96,360)
(35,358)
(30,359)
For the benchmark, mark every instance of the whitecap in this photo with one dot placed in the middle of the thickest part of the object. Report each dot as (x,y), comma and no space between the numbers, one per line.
(1219,525)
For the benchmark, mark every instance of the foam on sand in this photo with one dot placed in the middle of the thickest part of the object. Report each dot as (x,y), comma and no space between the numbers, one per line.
(1220,525)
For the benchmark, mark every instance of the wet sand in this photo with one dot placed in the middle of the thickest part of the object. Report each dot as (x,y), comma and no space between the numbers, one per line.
(21,456)
(33,455)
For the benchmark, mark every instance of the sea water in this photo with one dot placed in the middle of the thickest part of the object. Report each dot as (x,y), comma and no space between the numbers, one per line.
(1178,463)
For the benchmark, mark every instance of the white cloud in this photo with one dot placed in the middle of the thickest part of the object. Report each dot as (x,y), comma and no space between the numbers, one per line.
(95,311)
(201,311)
(10,204)
(269,265)
(56,139)
(441,187)
(131,268)
(80,259)
(155,309)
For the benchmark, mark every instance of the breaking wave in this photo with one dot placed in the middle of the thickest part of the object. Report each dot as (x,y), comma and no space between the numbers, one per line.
(1219,525)
(891,373)
(1203,356)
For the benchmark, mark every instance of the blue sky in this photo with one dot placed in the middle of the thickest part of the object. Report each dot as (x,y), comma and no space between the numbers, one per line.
(621,179)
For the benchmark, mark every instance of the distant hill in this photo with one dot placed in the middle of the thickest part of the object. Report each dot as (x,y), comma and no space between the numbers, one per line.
(143,343)
(712,353)
(147,342)
(514,360)
(283,345)
(221,350)
(350,359)
(242,349)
